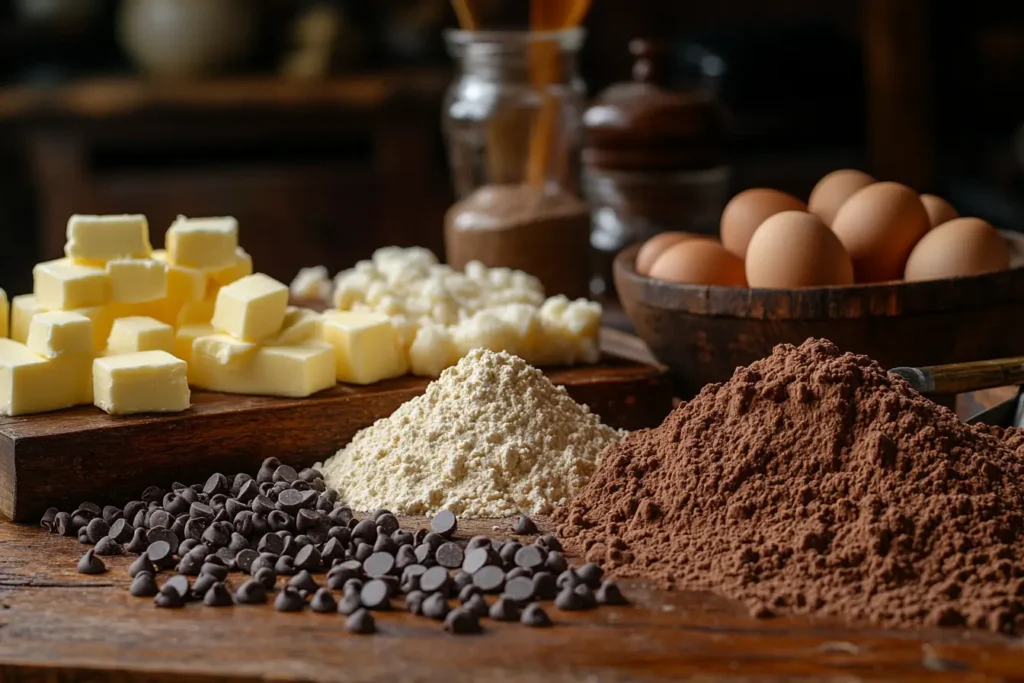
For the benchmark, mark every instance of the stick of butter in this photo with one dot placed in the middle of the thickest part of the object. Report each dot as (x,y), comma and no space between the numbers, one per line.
(144,382)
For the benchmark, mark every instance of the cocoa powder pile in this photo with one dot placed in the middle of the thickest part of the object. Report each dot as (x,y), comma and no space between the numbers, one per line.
(814,482)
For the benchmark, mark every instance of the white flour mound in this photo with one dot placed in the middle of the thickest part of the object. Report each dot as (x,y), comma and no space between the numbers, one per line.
(491,437)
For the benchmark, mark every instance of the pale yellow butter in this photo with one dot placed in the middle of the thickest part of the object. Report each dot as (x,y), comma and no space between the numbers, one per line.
(202,242)
(224,349)
(186,335)
(139,333)
(5,314)
(183,283)
(135,281)
(252,308)
(24,307)
(55,333)
(365,345)
(30,383)
(98,239)
(143,382)
(62,285)
(290,371)
(300,324)
(195,312)
(239,268)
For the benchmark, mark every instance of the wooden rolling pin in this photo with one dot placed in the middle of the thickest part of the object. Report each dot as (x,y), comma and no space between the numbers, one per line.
(959,378)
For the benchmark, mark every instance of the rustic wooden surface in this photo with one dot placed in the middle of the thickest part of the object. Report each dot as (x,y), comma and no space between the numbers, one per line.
(57,625)
(704,333)
(85,454)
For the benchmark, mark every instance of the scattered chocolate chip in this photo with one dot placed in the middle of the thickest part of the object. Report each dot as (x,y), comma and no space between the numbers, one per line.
(520,590)
(414,601)
(265,577)
(476,605)
(555,562)
(461,580)
(489,579)
(423,553)
(89,510)
(143,585)
(83,536)
(186,546)
(477,558)
(435,579)
(405,557)
(121,531)
(284,566)
(524,525)
(308,558)
(47,521)
(529,557)
(444,524)
(309,474)
(266,472)
(550,542)
(141,564)
(133,508)
(331,550)
(535,617)
(280,521)
(479,542)
(248,492)
(505,609)
(252,592)
(290,501)
(374,595)
(169,597)
(62,524)
(306,520)
(434,606)
(160,554)
(304,582)
(160,518)
(218,596)
(190,565)
(323,602)
(365,531)
(517,572)
(462,622)
(218,571)
(468,592)
(590,574)
(195,528)
(387,523)
(362,552)
(349,603)
(361,622)
(163,534)
(97,529)
(568,578)
(289,600)
(178,582)
(202,585)
(217,483)
(237,544)
(449,555)
(108,546)
(270,543)
(285,474)
(569,600)
(544,586)
(587,599)
(384,544)
(379,564)
(610,594)
(402,538)
(507,553)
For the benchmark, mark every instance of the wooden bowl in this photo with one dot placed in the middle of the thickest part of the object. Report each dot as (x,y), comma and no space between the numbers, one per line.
(703,333)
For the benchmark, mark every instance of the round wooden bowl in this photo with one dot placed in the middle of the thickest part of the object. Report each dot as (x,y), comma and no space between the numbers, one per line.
(703,333)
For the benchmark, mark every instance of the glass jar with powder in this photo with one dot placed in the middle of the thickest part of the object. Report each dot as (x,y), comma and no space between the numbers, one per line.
(513,124)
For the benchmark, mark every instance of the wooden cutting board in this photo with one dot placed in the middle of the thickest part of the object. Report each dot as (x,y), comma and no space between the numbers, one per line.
(67,457)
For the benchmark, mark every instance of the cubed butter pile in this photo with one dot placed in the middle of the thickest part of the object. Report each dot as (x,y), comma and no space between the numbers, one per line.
(441,314)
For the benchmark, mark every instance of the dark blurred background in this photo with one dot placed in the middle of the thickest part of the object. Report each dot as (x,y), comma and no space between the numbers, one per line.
(317,124)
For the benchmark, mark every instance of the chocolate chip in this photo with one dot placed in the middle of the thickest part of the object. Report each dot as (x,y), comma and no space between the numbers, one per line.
(262,505)
(449,555)
(47,521)
(550,542)
(217,483)
(266,472)
(202,585)
(568,600)
(188,494)
(476,605)
(461,580)
(216,535)
(568,578)
(266,577)
(160,518)
(507,553)
(535,617)
(362,552)
(160,554)
(190,565)
(529,557)
(366,531)
(252,592)
(556,563)
(489,579)
(138,521)
(178,582)
(332,550)
(414,571)
(424,553)
(308,558)
(468,592)
(309,474)
(444,524)
(89,510)
(232,507)
(306,520)
(434,606)
(110,514)
(384,544)
(141,564)
(477,558)
(544,586)
(237,544)
(379,564)
(90,564)
(169,597)
(610,594)
(138,543)
(290,501)
(218,596)
(280,520)
(248,492)
(271,543)
(323,602)
(218,571)
(304,582)
(285,474)
(516,572)
(163,534)
(195,528)
(143,585)
(435,579)
(121,531)
(360,622)
(97,529)
(478,542)
(590,574)
(259,526)
(62,524)
(420,536)
(462,622)
(519,589)
(505,609)
(132,508)
(185,546)
(108,546)
(83,536)
(405,557)
(284,566)
(414,601)
(587,599)
(289,600)
(239,480)
(524,525)
(178,527)
(387,523)
(374,595)
(402,538)
(340,516)
(349,603)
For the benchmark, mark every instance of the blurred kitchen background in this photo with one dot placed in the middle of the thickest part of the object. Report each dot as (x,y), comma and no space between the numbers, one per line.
(318,124)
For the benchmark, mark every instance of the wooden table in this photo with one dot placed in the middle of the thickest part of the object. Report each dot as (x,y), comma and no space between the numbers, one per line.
(58,625)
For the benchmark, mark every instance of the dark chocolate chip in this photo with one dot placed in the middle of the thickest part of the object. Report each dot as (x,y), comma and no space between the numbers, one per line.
(323,602)
(405,557)
(160,518)
(62,524)
(461,580)
(252,592)
(163,534)
(88,509)
(308,558)
(109,514)
(97,529)
(219,560)
(90,564)
(544,586)
(138,544)
(143,585)
(365,531)
(270,543)
(202,585)
(568,600)
(175,504)
(217,571)
(309,498)
(132,509)
(178,526)
(478,542)
(195,528)
(387,523)
(403,538)
(410,582)
(550,542)
(449,555)
(309,474)
(342,533)
(362,552)
(478,558)
(360,622)
(216,536)
(306,519)
(505,609)
(178,582)
(138,521)
(289,600)
(468,592)
(160,554)
(285,474)
(461,621)
(237,544)
(476,605)
(352,586)
(238,481)
(516,572)
(266,472)
(185,546)
(141,564)
(248,492)
(121,530)
(586,596)
(507,553)
(610,594)
(444,524)
(108,546)
(590,574)
(218,596)
(489,579)
(266,577)
(529,557)
(340,516)
(290,501)
(284,566)
(198,550)
(568,578)
(217,483)
(304,581)
(349,603)
(423,553)
(414,601)
(83,536)
(524,525)
(374,595)
(259,526)
(51,513)
(279,520)
(435,579)
(535,617)
(379,564)
(263,505)
(265,560)
(331,550)
(555,563)
(233,506)
(188,494)
(435,606)
(520,590)
(169,597)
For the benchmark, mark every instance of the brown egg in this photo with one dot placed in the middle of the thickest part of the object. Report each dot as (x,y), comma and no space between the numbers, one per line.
(938,209)
(749,209)
(833,190)
(699,262)
(795,249)
(879,226)
(963,246)
(654,247)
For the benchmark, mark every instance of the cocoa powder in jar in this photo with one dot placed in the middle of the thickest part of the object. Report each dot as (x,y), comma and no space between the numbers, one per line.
(814,482)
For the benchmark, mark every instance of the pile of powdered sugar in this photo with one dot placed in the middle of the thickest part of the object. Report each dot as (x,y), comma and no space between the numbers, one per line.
(491,437)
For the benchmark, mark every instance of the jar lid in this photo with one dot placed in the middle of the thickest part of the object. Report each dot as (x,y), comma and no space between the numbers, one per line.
(642,125)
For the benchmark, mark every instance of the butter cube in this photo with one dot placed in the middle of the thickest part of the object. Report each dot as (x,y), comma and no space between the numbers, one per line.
(251,309)
(5,314)
(202,242)
(56,333)
(223,349)
(98,239)
(183,283)
(290,371)
(23,308)
(61,285)
(365,345)
(186,336)
(137,280)
(195,312)
(300,324)
(30,383)
(240,266)
(143,382)
(102,318)
(138,333)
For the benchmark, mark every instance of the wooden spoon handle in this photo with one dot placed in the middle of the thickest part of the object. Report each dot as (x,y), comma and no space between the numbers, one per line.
(958,378)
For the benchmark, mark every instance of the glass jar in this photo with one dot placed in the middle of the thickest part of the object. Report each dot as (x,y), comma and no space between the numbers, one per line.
(513,125)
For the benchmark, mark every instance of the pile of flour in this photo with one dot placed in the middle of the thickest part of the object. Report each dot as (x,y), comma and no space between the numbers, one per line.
(492,437)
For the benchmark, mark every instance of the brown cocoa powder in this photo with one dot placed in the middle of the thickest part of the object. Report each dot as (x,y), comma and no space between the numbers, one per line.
(814,482)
